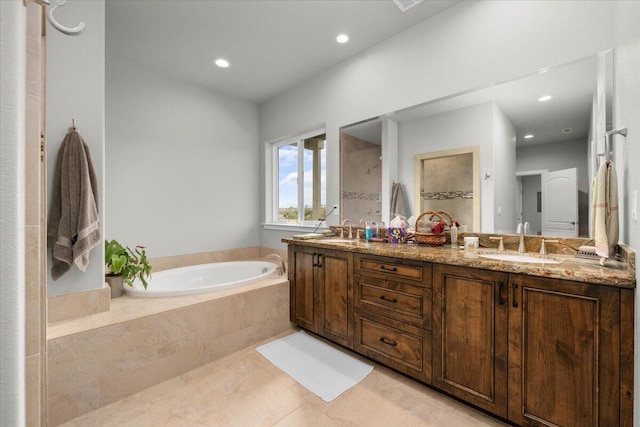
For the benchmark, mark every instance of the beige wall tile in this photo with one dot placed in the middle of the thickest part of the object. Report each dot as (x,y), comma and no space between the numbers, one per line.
(34,51)
(124,384)
(32,160)
(87,357)
(180,329)
(32,291)
(33,382)
(78,304)
(104,299)
(266,251)
(68,405)
(165,263)
(127,357)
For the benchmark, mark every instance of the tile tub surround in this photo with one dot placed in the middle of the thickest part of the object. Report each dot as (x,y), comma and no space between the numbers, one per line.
(96,360)
(78,304)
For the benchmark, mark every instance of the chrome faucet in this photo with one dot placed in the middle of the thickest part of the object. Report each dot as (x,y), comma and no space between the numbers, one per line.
(543,247)
(282,269)
(500,245)
(522,248)
(350,229)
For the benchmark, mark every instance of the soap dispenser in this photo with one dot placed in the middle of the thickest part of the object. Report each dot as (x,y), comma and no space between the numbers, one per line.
(454,236)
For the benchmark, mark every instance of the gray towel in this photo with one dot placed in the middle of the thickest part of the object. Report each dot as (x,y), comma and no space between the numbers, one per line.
(73,225)
(398,204)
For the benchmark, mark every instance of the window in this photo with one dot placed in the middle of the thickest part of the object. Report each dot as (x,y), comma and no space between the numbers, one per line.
(299,166)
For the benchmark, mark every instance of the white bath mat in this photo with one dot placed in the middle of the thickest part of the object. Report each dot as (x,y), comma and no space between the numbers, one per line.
(317,366)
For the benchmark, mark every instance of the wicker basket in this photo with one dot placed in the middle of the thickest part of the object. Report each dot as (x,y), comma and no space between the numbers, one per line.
(432,239)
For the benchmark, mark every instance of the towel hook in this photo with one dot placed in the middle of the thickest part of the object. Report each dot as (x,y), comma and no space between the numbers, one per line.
(75,31)
(607,139)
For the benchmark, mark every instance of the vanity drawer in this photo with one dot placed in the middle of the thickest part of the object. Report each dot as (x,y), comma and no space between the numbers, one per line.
(404,347)
(393,268)
(400,301)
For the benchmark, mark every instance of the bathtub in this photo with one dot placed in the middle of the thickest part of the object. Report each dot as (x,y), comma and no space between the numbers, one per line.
(202,278)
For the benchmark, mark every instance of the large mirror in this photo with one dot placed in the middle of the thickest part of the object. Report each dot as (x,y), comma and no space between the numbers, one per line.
(537,143)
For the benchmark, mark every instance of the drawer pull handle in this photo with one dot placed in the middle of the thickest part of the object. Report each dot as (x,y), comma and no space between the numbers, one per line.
(384,298)
(515,295)
(314,263)
(385,268)
(388,341)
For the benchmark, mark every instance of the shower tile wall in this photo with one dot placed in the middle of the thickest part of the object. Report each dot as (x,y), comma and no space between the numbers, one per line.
(447,185)
(361,179)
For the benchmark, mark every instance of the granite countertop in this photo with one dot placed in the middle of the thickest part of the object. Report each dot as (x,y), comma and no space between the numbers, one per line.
(568,267)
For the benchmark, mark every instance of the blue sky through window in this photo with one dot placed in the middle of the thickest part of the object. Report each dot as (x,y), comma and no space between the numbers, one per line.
(288,176)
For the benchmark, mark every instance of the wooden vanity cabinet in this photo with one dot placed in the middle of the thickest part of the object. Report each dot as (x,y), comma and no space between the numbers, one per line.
(537,351)
(392,313)
(533,350)
(320,289)
(470,330)
(565,350)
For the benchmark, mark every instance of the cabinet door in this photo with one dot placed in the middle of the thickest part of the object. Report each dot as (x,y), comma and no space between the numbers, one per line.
(470,335)
(564,353)
(304,295)
(333,275)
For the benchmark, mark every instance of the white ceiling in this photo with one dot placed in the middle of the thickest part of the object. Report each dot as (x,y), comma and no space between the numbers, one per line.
(273,45)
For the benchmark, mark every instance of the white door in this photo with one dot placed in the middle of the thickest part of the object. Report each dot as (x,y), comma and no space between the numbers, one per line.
(560,203)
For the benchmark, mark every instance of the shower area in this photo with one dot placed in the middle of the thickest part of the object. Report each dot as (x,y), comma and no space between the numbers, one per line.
(361,176)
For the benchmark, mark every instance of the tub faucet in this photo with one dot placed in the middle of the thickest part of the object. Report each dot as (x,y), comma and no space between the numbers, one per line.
(521,248)
(282,269)
(350,229)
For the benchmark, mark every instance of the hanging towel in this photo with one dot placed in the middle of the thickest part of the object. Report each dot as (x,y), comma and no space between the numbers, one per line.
(73,225)
(398,204)
(604,228)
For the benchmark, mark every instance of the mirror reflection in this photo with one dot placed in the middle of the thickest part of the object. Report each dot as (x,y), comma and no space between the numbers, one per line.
(361,171)
(536,144)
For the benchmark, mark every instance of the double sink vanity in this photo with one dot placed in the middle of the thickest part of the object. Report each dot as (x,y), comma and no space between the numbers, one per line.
(543,343)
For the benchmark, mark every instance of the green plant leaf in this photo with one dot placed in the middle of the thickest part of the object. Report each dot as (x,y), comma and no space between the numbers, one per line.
(118,262)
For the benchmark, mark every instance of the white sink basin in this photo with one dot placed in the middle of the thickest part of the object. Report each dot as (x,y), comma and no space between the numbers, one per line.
(331,240)
(519,258)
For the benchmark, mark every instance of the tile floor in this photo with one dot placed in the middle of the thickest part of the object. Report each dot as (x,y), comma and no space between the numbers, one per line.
(244,389)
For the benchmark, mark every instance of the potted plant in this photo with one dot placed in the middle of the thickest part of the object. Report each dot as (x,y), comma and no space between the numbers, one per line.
(124,265)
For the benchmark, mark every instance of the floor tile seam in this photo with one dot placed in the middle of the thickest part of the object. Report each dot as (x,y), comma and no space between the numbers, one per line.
(302,403)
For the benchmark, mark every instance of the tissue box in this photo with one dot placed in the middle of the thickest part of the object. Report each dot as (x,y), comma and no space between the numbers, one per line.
(397,235)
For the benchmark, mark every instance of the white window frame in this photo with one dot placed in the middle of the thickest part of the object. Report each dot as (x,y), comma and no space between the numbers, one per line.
(272,182)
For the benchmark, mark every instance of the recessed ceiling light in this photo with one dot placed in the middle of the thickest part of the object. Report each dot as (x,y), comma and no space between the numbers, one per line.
(545,98)
(529,136)
(342,38)
(222,63)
